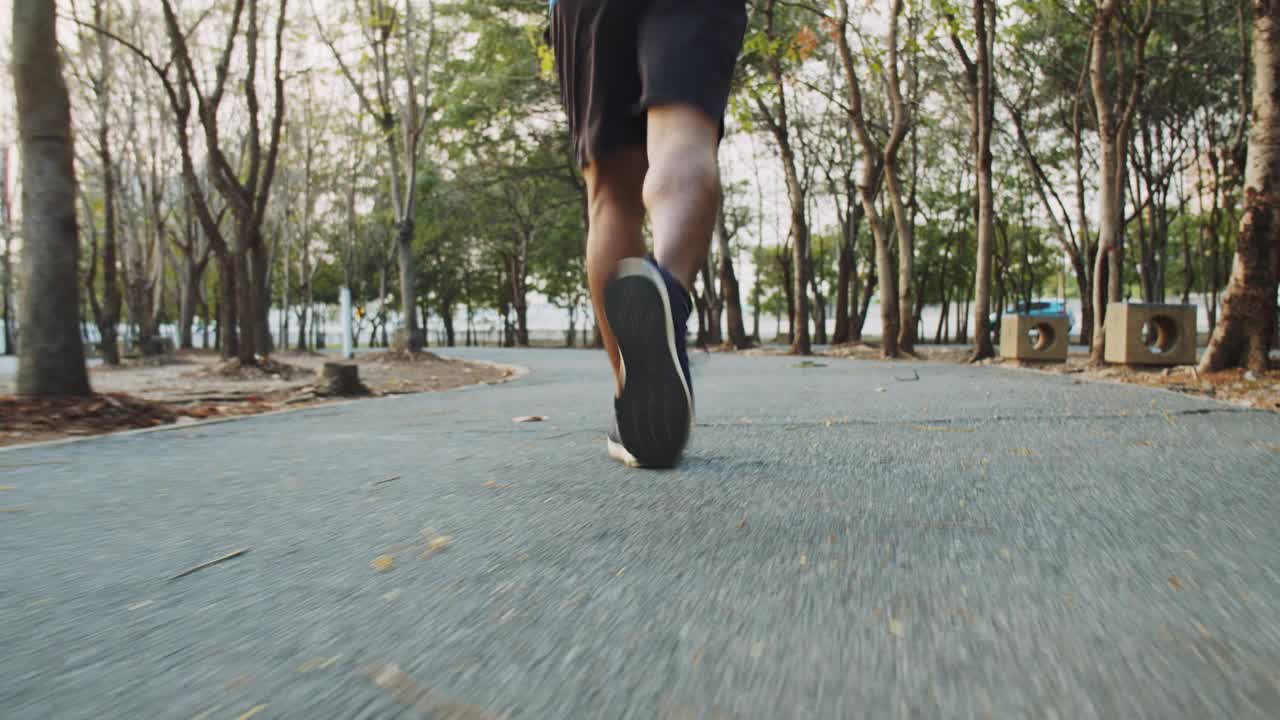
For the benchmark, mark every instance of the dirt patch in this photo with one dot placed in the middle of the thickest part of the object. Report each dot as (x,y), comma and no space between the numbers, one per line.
(268,369)
(867,351)
(142,394)
(1237,387)
(1233,386)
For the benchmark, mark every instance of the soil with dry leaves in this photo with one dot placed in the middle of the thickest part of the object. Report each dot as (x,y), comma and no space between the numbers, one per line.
(1233,386)
(197,385)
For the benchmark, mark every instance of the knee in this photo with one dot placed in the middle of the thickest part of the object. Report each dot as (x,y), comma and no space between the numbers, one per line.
(684,170)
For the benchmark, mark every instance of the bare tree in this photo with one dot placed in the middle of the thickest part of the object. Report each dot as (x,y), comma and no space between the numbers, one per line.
(51,352)
(1115,122)
(874,162)
(107,312)
(981,81)
(402,120)
(1245,332)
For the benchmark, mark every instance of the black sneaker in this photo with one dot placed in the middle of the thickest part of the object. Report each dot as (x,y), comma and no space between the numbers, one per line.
(648,311)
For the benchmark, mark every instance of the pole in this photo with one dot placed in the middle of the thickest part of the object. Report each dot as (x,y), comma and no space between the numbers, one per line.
(345,297)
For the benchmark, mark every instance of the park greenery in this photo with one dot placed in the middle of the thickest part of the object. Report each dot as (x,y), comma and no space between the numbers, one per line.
(237,162)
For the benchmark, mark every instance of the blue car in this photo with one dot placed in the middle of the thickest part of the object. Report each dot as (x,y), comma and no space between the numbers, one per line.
(1039,307)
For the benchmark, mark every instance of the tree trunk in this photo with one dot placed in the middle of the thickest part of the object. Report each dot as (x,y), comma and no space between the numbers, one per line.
(228,337)
(260,264)
(800,344)
(189,301)
(1113,138)
(1247,323)
(408,293)
(731,292)
(714,304)
(51,351)
(845,275)
(786,260)
(984,23)
(819,308)
(109,320)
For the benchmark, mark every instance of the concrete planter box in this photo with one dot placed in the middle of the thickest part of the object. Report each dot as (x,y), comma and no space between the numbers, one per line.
(1169,337)
(1041,338)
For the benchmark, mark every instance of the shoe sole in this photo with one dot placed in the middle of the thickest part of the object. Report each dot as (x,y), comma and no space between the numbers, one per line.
(655,410)
(619,452)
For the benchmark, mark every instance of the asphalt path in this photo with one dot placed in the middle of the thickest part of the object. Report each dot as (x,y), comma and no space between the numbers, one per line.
(844,540)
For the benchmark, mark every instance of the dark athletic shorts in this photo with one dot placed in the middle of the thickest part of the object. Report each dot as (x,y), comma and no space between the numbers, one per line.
(617,58)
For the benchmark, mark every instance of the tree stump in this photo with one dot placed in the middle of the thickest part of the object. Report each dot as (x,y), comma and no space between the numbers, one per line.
(340,379)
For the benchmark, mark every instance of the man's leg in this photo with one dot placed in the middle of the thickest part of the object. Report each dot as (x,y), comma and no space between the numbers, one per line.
(615,230)
(681,190)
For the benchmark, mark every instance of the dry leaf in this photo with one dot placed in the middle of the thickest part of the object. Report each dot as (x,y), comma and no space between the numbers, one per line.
(757,649)
(529,419)
(383,563)
(742,523)
(1025,452)
(895,628)
(1175,582)
(804,560)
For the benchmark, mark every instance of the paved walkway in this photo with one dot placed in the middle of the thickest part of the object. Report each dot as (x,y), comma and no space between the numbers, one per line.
(842,542)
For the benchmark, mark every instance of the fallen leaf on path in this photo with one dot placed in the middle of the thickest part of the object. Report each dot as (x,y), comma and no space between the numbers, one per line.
(895,628)
(204,715)
(238,682)
(436,543)
(252,712)
(757,650)
(742,523)
(383,563)
(529,419)
(1004,553)
(1175,582)
(1143,443)
(318,663)
(1025,452)
(495,485)
(804,560)
(426,701)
